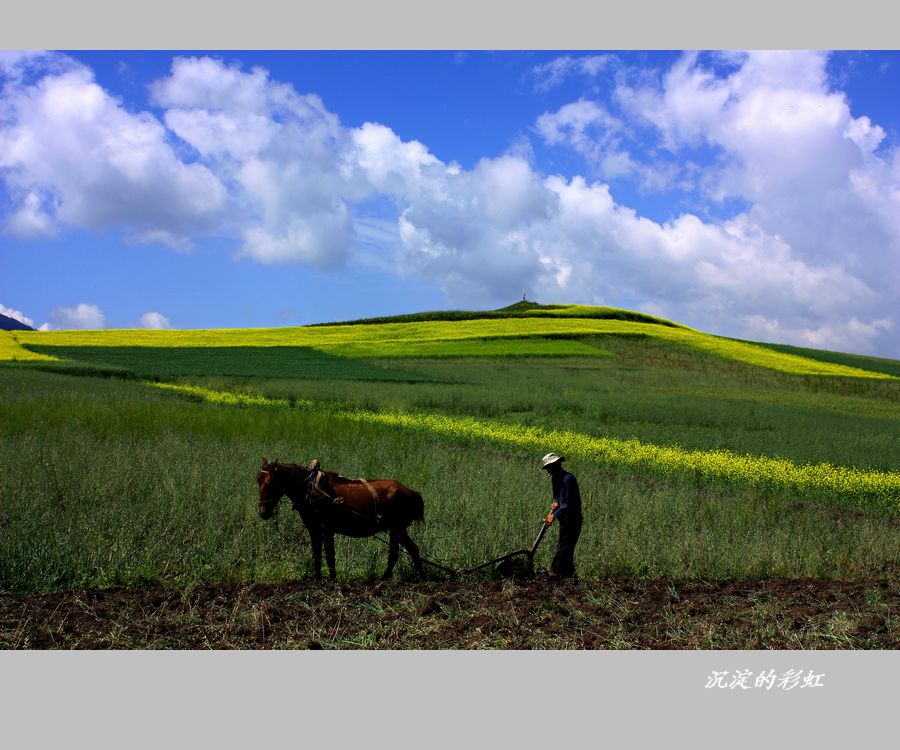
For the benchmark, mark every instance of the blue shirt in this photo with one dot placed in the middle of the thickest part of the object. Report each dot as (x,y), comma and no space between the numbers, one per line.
(567,494)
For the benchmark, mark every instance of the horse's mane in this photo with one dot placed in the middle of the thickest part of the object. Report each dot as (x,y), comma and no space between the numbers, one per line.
(291,467)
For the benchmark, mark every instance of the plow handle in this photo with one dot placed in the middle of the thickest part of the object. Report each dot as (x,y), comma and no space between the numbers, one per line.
(540,536)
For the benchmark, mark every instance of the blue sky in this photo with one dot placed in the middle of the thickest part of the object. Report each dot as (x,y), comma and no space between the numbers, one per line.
(746,194)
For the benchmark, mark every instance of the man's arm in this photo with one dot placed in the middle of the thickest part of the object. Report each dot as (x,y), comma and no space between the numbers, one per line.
(565,493)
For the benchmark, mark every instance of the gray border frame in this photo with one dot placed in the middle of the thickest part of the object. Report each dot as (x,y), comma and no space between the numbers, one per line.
(441,699)
(462,24)
(428,699)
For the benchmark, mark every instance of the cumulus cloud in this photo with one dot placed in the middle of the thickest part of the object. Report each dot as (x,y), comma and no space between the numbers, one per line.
(16,64)
(591,130)
(72,155)
(818,243)
(849,336)
(471,231)
(17,315)
(279,150)
(788,145)
(31,220)
(154,320)
(551,74)
(83,315)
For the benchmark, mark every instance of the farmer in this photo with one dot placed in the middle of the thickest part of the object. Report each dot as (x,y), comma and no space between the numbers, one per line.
(567,510)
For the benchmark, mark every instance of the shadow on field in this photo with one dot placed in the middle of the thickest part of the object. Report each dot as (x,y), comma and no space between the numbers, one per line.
(237,361)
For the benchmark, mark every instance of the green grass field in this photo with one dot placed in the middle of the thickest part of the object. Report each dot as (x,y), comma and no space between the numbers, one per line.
(128,457)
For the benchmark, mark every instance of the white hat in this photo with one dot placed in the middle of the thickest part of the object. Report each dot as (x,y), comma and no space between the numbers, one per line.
(549,459)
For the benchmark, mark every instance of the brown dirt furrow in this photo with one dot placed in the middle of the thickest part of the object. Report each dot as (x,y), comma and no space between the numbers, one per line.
(603,614)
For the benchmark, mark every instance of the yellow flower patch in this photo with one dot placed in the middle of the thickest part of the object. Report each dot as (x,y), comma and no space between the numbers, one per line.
(840,482)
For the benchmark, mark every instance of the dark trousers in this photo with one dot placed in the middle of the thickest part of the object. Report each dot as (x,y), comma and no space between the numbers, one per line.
(564,558)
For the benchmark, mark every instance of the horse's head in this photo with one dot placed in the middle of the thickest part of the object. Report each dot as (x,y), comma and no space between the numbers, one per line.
(271,487)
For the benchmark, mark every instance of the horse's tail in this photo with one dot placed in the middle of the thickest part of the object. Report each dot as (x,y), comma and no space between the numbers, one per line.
(418,506)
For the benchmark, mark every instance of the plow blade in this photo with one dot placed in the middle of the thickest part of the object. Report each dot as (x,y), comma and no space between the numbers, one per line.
(527,553)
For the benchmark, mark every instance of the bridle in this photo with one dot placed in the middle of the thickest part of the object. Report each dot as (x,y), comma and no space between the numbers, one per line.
(311,487)
(275,504)
(271,503)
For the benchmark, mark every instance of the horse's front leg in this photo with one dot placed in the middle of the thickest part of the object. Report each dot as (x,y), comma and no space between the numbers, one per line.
(329,552)
(315,537)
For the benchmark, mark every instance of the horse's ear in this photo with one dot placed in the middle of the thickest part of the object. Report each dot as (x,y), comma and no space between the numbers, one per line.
(264,462)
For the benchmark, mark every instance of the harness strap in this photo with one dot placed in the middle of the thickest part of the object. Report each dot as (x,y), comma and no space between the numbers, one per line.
(316,486)
(374,498)
(370,488)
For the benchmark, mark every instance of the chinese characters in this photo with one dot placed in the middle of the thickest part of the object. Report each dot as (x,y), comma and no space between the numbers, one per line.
(743,679)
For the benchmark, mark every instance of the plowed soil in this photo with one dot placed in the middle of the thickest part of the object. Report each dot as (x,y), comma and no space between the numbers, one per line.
(506,614)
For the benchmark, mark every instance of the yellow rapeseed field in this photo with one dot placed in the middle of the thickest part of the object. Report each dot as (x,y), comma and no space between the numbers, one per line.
(12,351)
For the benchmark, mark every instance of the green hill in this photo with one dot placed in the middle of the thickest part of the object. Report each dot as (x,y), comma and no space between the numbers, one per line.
(522,330)
(523,309)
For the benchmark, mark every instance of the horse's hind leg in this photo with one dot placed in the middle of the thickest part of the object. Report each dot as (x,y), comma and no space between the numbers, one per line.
(413,550)
(393,555)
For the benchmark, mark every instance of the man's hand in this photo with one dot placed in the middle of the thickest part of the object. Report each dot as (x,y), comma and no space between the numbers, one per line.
(550,517)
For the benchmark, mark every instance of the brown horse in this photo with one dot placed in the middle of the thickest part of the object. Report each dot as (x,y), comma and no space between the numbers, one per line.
(329,503)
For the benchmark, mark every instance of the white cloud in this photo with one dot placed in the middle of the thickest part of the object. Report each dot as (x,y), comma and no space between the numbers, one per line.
(14,64)
(154,320)
(161,237)
(82,315)
(31,220)
(551,74)
(789,145)
(72,155)
(384,163)
(281,153)
(591,130)
(820,240)
(849,336)
(17,315)
(571,125)
(471,230)
(207,84)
